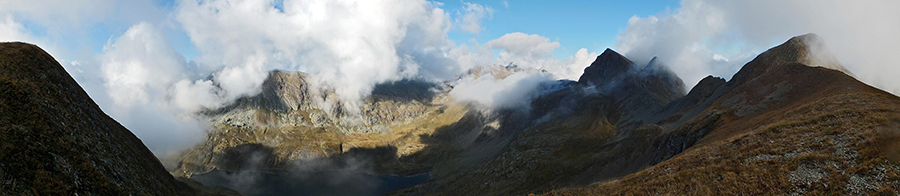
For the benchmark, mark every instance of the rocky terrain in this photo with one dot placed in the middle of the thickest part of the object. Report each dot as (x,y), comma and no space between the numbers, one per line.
(56,141)
(405,127)
(792,121)
(592,130)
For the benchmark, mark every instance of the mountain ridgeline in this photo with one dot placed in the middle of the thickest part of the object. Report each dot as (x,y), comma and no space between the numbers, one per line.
(792,121)
(599,135)
(56,140)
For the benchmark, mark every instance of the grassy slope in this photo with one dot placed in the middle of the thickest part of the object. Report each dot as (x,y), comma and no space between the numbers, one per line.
(826,134)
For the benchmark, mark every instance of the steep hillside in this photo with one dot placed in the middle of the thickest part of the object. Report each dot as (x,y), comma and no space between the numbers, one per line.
(405,127)
(591,131)
(56,141)
(792,121)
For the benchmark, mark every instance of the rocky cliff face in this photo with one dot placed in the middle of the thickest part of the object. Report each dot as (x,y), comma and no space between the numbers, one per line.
(57,141)
(404,127)
(298,122)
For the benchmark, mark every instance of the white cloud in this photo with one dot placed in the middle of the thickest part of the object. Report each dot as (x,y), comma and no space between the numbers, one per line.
(472,15)
(348,44)
(468,57)
(144,83)
(142,74)
(139,66)
(515,90)
(719,57)
(10,30)
(861,35)
(524,45)
(534,51)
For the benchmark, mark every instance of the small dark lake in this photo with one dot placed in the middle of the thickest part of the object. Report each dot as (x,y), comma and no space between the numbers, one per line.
(309,183)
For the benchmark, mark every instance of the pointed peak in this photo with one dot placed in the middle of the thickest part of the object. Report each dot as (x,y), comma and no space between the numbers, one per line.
(652,65)
(607,66)
(610,53)
(808,49)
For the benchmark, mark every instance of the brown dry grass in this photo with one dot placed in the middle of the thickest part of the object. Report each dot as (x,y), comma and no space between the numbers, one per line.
(843,129)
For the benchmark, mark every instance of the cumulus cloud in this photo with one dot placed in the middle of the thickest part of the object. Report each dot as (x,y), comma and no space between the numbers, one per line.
(718,37)
(468,57)
(348,44)
(532,50)
(139,71)
(524,45)
(472,15)
(139,65)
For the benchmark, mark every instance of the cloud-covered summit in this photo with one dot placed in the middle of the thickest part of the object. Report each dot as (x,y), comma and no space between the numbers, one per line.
(705,37)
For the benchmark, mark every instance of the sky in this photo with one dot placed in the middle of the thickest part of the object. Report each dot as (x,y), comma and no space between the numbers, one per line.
(153,64)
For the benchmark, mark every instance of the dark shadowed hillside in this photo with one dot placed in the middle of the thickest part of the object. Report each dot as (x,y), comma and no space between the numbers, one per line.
(54,140)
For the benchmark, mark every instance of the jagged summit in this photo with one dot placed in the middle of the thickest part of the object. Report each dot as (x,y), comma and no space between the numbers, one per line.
(606,68)
(808,49)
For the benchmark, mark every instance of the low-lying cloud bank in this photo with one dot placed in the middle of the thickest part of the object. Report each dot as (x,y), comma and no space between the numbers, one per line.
(516,90)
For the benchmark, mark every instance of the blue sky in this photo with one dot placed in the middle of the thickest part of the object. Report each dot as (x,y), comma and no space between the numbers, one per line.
(574,24)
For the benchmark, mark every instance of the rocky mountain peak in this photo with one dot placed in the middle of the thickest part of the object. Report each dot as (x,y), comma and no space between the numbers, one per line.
(655,69)
(808,49)
(606,68)
(284,90)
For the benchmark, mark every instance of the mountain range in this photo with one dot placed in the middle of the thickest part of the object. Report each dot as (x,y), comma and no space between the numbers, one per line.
(792,121)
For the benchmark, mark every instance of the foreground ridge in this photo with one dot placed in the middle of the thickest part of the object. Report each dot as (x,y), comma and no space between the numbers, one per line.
(57,141)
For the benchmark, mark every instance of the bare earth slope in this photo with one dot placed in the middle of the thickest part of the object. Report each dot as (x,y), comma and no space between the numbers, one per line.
(57,141)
